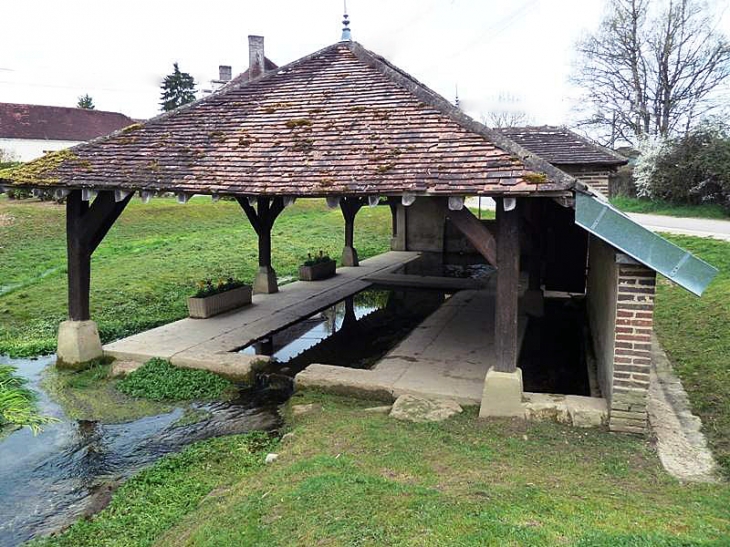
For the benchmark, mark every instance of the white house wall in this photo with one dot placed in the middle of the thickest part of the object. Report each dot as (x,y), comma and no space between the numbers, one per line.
(27,149)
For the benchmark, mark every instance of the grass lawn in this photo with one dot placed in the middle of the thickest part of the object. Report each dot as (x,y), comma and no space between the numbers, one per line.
(151,261)
(354,478)
(350,478)
(695,332)
(636,205)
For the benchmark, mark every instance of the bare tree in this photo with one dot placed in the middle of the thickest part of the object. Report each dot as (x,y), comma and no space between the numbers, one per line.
(649,72)
(507,113)
(506,118)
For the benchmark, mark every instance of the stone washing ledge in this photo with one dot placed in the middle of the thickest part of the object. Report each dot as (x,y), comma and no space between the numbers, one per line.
(369,385)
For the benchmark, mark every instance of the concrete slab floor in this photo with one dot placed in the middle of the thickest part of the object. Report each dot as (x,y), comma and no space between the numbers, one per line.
(208,342)
(447,356)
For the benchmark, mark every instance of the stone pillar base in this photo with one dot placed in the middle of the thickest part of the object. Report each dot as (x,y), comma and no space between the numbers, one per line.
(349,257)
(502,395)
(78,343)
(265,281)
(533,303)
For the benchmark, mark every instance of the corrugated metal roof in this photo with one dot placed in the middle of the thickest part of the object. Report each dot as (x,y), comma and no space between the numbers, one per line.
(652,250)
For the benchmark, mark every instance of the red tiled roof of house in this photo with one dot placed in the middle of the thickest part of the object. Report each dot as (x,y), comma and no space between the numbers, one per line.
(40,122)
(339,121)
(561,146)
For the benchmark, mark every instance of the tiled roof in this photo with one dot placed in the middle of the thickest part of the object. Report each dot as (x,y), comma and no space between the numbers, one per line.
(561,146)
(340,121)
(32,121)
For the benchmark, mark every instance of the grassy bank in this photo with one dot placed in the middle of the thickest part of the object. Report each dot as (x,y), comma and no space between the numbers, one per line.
(151,261)
(155,388)
(158,498)
(352,478)
(695,332)
(636,205)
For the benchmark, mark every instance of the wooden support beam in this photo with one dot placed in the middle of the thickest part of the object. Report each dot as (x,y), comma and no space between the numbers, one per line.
(350,207)
(476,232)
(535,249)
(508,272)
(262,220)
(86,226)
(393,204)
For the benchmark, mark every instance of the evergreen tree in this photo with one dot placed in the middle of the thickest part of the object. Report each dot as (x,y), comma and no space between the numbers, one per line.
(86,102)
(178,89)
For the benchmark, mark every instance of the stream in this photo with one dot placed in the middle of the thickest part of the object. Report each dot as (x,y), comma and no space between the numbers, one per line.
(49,480)
(69,470)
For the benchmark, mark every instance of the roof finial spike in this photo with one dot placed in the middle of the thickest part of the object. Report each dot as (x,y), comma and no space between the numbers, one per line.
(456,101)
(346,36)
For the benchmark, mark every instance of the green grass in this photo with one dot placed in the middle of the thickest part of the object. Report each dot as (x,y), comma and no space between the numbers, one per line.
(353,478)
(159,497)
(18,403)
(151,260)
(695,332)
(636,205)
(159,380)
(92,394)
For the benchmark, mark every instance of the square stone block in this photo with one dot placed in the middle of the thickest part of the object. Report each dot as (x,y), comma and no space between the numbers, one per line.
(502,395)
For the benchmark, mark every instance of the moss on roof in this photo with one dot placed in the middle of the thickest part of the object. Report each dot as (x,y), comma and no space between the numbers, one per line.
(35,173)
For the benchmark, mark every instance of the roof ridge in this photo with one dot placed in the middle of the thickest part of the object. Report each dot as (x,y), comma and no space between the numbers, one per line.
(216,94)
(432,98)
(71,108)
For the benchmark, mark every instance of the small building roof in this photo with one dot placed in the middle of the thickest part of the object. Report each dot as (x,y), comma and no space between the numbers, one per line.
(41,122)
(342,121)
(561,146)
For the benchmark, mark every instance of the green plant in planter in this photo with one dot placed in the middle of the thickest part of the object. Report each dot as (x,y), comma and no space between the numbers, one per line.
(208,287)
(316,259)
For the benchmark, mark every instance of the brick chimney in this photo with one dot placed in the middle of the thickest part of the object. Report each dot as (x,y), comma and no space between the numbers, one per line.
(224,73)
(256,67)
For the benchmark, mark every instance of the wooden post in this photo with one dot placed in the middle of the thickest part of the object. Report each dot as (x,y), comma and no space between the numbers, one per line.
(350,206)
(508,272)
(534,265)
(86,226)
(79,258)
(262,220)
(393,204)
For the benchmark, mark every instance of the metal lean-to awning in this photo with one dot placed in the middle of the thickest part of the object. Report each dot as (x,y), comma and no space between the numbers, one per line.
(652,250)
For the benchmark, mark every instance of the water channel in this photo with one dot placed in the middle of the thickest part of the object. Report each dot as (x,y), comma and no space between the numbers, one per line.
(49,480)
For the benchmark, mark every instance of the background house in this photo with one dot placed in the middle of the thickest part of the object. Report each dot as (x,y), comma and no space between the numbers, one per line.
(27,131)
(581,158)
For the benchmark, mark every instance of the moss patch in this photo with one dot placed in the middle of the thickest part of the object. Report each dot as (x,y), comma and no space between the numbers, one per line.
(535,178)
(92,395)
(39,172)
(159,380)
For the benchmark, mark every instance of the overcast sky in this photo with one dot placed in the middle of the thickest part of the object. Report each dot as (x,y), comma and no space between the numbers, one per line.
(52,52)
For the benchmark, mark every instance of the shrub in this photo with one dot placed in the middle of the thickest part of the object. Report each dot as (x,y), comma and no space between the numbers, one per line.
(159,380)
(692,169)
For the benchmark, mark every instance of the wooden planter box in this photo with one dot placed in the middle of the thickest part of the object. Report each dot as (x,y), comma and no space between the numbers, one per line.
(323,270)
(201,308)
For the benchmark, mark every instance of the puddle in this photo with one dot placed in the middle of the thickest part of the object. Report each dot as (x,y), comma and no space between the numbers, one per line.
(49,480)
(356,332)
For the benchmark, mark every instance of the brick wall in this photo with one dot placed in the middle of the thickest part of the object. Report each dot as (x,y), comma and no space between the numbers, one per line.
(632,346)
(620,304)
(597,178)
